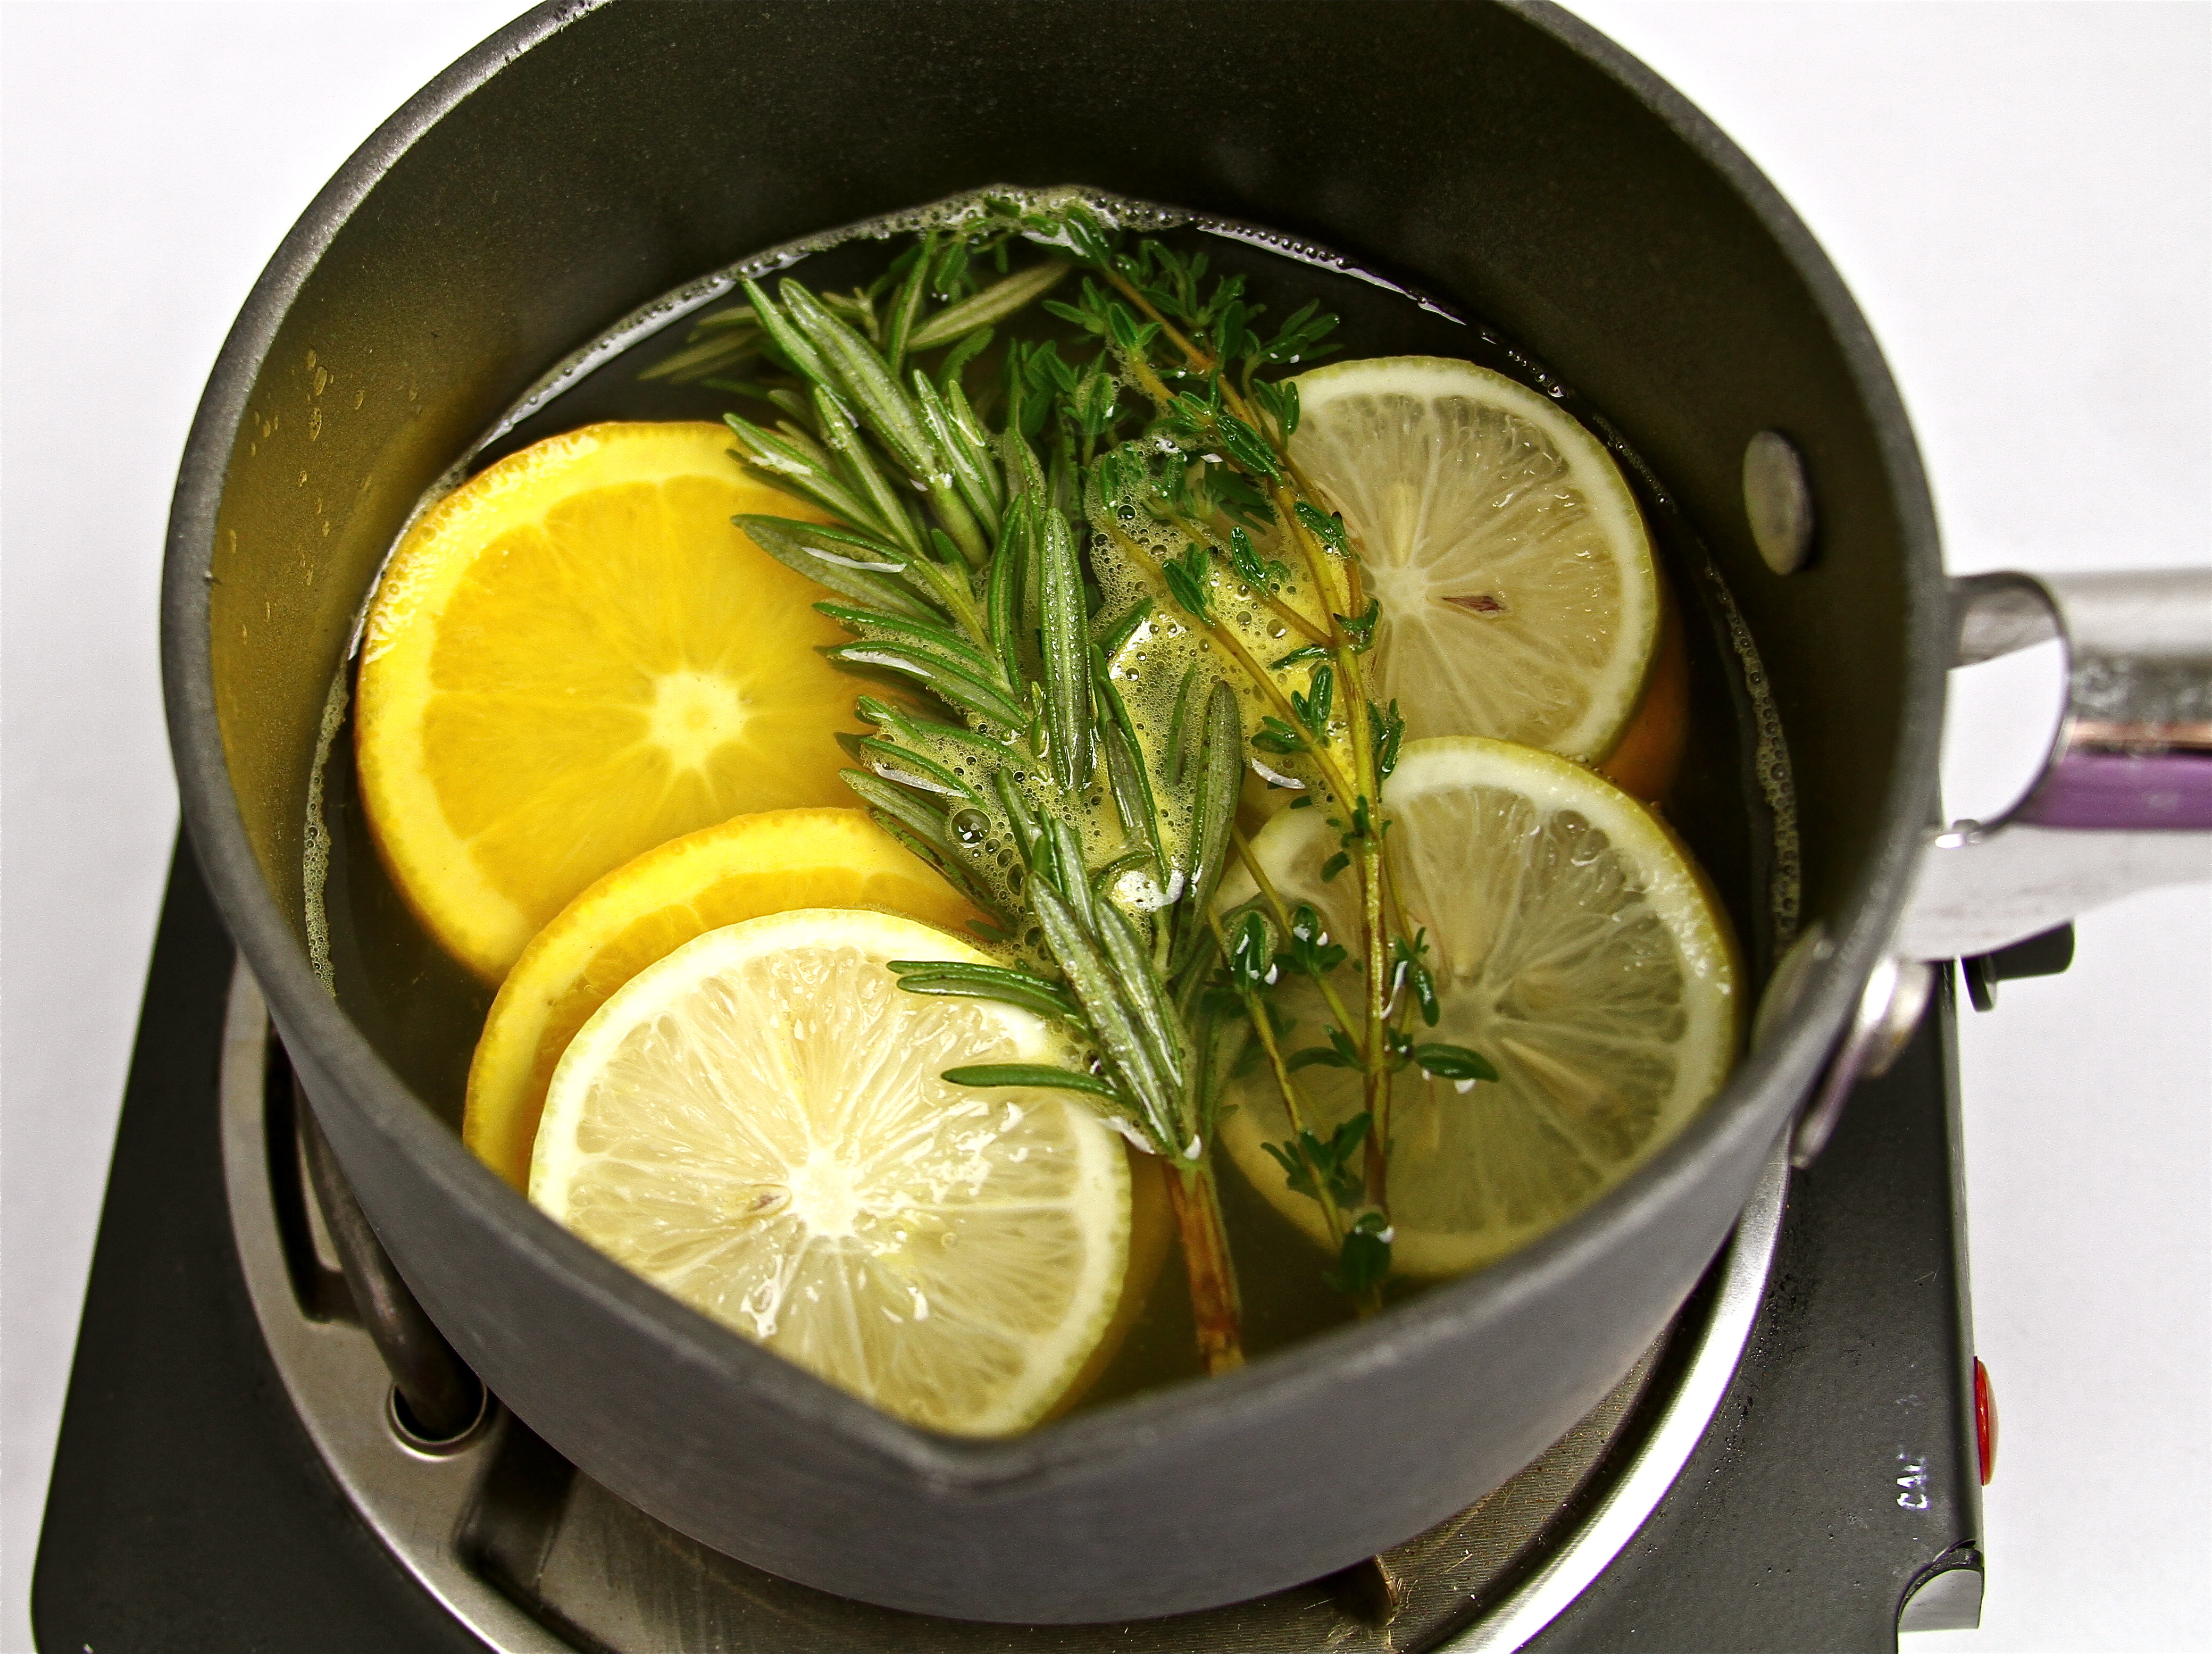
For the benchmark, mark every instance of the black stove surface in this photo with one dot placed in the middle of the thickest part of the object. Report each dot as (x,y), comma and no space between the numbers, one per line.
(189,1511)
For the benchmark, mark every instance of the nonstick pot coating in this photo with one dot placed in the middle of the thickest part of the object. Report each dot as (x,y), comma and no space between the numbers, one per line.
(1503,156)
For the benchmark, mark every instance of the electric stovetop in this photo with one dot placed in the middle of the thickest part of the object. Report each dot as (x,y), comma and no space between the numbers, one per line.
(1794,1467)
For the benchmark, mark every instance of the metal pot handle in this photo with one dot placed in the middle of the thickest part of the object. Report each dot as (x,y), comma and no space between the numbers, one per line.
(436,1400)
(2124,801)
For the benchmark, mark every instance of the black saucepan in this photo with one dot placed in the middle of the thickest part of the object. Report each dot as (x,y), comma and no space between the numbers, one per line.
(1502,156)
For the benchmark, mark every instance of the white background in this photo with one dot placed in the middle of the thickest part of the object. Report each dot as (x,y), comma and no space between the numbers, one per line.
(2021,197)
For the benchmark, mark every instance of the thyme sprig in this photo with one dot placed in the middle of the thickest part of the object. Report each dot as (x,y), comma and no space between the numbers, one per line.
(1217,452)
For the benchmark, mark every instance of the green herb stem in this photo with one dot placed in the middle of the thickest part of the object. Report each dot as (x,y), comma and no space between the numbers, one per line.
(1293,1095)
(1282,918)
(1216,1305)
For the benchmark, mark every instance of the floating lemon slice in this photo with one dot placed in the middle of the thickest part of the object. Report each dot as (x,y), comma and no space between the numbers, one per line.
(1573,944)
(1519,597)
(576,656)
(756,1123)
(646,909)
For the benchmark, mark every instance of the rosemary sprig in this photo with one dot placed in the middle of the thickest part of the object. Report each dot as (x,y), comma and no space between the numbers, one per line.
(997,632)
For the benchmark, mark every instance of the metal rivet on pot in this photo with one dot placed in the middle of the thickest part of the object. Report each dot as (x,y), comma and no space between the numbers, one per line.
(1778,502)
(1787,985)
(1889,1010)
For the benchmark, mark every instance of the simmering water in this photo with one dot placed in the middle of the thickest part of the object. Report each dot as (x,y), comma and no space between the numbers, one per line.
(1731,801)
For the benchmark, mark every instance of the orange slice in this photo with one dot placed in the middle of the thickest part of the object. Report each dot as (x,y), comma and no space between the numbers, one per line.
(576,656)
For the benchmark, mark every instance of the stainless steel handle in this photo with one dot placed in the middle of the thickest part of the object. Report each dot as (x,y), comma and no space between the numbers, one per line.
(2124,802)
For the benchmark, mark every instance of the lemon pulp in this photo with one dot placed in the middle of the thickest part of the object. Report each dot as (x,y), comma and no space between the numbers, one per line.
(1520,600)
(757,1124)
(1573,945)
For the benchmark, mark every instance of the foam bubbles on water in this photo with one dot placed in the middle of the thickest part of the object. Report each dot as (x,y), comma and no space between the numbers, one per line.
(315,858)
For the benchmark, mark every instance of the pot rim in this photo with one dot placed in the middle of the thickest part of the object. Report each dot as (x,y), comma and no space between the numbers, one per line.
(1757,1102)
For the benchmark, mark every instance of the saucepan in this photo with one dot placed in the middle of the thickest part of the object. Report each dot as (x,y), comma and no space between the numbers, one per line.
(1501,156)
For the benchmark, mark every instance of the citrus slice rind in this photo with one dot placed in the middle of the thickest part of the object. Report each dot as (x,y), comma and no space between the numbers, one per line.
(573,657)
(757,1124)
(1520,599)
(1573,944)
(753,865)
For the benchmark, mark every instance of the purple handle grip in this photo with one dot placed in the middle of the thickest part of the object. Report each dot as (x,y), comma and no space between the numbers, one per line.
(2134,753)
(2093,787)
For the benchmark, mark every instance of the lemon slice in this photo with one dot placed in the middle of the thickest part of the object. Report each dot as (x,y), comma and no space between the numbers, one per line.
(576,656)
(1573,944)
(758,1125)
(1519,597)
(646,909)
